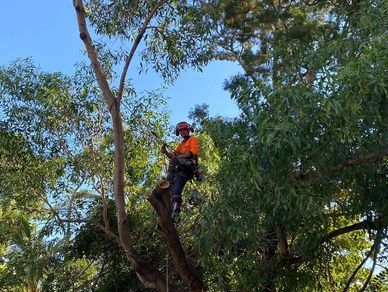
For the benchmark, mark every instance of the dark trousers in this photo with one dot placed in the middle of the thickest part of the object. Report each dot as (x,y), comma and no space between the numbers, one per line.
(178,181)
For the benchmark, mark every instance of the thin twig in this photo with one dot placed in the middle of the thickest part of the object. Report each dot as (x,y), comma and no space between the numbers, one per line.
(53,211)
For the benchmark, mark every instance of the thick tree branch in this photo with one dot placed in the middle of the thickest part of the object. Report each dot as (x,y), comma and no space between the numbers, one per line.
(160,200)
(282,240)
(85,37)
(359,161)
(134,47)
(377,224)
(350,163)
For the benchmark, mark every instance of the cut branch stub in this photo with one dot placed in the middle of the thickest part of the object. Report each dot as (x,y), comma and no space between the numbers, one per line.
(159,198)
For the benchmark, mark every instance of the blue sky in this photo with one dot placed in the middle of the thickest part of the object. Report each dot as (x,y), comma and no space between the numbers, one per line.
(47,31)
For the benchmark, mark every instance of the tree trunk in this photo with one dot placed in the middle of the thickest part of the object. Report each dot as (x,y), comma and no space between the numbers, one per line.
(282,240)
(160,200)
(148,275)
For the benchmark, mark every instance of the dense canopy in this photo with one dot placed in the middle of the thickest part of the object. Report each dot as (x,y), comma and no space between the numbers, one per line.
(295,189)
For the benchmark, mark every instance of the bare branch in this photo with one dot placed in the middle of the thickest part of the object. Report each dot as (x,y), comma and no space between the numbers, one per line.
(101,190)
(111,234)
(78,288)
(99,275)
(359,161)
(149,276)
(149,3)
(71,220)
(378,224)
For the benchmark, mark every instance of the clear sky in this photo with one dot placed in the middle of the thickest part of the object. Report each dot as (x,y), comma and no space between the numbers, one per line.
(47,31)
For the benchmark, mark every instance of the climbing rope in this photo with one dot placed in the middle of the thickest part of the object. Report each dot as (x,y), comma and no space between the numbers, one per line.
(167,270)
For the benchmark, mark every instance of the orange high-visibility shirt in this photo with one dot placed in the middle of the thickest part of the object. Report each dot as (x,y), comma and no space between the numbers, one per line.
(190,145)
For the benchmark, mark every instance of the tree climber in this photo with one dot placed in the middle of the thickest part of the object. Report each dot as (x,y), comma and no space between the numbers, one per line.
(183,165)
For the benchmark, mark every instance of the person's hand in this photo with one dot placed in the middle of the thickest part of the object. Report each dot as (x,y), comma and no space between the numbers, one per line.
(163,149)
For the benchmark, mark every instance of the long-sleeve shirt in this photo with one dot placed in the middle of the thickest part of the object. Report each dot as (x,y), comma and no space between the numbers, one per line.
(189,145)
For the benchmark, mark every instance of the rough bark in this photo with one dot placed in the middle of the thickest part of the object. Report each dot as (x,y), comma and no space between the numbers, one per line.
(160,200)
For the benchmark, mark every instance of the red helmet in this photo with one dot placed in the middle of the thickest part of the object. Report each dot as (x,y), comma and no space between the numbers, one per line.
(183,125)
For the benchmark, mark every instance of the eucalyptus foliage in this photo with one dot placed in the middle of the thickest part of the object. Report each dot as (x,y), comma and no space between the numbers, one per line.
(56,156)
(171,41)
(294,190)
(308,154)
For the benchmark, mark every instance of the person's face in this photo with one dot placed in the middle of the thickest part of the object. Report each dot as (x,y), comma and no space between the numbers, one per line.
(184,132)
